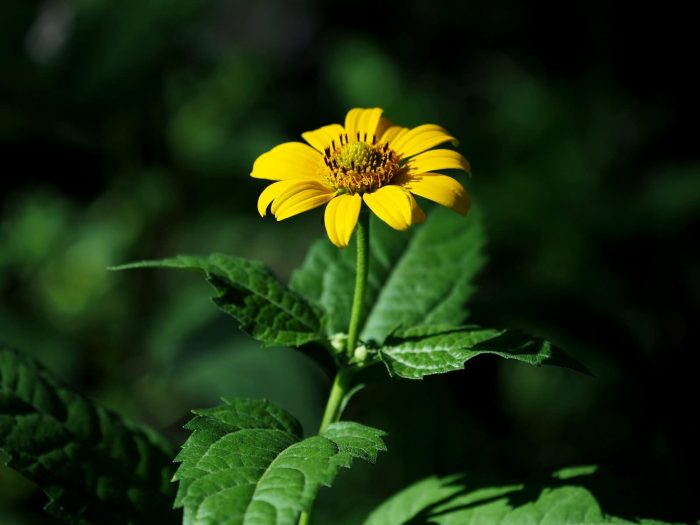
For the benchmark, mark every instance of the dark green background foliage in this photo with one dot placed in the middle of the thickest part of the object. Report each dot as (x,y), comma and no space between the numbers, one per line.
(94,466)
(127,132)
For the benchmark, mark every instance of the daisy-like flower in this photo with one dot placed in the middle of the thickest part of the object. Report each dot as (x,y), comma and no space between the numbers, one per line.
(369,160)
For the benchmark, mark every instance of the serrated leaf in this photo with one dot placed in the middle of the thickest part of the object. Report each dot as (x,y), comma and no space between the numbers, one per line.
(94,466)
(570,497)
(422,276)
(355,441)
(247,290)
(426,350)
(246,462)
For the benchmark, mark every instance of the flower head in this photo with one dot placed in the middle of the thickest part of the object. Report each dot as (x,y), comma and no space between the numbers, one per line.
(369,159)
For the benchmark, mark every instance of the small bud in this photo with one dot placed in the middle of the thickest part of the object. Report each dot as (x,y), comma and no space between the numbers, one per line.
(338,341)
(360,353)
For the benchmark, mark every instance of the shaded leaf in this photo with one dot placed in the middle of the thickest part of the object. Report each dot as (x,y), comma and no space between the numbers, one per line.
(94,466)
(431,282)
(422,276)
(327,275)
(247,290)
(246,462)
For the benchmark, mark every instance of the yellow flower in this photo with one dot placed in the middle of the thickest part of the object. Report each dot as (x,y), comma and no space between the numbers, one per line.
(367,159)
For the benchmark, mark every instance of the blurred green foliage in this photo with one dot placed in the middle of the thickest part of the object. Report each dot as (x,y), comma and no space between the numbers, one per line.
(128,130)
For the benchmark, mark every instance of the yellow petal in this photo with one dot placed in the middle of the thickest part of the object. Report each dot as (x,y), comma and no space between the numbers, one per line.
(438,159)
(324,136)
(291,160)
(441,189)
(420,139)
(382,127)
(299,198)
(393,133)
(273,191)
(417,213)
(340,218)
(392,204)
(362,121)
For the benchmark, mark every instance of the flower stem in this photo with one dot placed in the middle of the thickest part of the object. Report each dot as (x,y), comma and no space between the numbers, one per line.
(362,237)
(343,378)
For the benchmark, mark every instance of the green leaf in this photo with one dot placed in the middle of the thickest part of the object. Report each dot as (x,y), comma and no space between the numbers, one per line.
(247,290)
(422,276)
(575,496)
(431,282)
(426,350)
(94,466)
(246,462)
(355,441)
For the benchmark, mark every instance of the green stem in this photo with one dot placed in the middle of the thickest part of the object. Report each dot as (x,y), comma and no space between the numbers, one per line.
(341,383)
(340,387)
(305,518)
(362,237)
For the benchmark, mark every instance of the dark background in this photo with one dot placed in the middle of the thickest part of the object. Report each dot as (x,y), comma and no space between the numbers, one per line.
(128,129)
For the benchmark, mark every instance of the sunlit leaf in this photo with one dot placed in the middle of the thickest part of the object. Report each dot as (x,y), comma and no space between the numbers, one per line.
(573,496)
(246,462)
(426,350)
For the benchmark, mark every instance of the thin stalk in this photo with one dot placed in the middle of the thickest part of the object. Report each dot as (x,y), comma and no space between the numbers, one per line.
(341,383)
(340,387)
(362,238)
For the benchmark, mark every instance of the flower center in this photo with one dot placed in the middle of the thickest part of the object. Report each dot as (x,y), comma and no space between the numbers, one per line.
(359,167)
